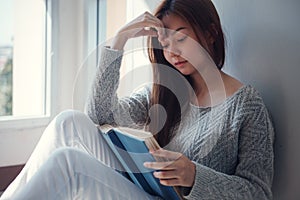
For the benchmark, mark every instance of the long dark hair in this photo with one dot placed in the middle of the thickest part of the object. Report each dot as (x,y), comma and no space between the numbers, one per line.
(203,18)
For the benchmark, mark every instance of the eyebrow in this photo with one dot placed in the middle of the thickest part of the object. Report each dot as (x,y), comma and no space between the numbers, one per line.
(177,30)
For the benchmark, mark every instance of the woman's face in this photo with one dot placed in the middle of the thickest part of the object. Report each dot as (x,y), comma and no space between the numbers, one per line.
(180,46)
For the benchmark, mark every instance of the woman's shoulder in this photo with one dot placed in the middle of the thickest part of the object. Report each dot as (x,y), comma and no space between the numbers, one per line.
(247,101)
(250,94)
(239,92)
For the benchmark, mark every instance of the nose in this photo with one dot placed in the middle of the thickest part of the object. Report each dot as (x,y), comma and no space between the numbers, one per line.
(174,51)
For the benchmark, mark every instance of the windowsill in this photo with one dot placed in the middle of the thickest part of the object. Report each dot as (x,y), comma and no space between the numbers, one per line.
(16,123)
(19,137)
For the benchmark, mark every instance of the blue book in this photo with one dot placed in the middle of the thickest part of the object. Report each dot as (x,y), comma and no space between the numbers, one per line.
(131,147)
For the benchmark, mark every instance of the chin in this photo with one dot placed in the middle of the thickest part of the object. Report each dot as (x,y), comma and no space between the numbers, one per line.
(185,72)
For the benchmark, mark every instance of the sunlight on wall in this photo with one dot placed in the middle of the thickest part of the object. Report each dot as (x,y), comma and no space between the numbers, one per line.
(137,69)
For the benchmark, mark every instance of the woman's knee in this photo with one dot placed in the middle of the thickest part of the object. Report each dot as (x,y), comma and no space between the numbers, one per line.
(66,124)
(66,156)
(69,116)
(71,119)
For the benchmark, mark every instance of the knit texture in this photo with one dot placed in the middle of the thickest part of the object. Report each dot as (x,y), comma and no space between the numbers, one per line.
(231,144)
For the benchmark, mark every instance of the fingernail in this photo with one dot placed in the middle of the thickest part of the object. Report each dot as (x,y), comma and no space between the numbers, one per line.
(151,151)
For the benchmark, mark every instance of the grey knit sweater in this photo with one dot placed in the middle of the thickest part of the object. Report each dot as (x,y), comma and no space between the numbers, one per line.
(231,143)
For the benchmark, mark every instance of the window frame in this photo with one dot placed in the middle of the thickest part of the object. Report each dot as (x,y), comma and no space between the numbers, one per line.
(52,106)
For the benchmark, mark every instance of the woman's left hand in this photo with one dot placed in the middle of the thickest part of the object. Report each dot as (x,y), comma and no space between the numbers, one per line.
(177,170)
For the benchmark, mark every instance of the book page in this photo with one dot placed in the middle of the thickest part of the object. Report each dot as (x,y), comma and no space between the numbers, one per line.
(135,132)
(105,128)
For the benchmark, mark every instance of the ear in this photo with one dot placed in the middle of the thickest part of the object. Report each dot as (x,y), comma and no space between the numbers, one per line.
(211,34)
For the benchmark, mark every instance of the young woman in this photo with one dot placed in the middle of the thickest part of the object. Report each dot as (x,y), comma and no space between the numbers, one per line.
(215,132)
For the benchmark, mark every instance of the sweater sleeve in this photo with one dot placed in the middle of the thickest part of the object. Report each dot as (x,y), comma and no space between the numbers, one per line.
(103,105)
(254,172)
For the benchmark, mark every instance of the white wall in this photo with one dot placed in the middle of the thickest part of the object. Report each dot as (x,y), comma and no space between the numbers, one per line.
(263,39)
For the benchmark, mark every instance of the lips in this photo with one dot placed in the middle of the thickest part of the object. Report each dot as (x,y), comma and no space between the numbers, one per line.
(180,63)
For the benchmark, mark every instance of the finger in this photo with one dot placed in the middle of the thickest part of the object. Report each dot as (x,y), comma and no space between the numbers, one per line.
(151,20)
(170,182)
(162,33)
(166,174)
(156,23)
(170,155)
(154,19)
(145,32)
(143,28)
(155,27)
(160,165)
(162,37)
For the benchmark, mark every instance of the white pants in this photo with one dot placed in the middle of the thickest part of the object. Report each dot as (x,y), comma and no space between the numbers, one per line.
(72,161)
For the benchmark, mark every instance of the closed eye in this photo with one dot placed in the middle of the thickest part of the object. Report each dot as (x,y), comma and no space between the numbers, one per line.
(182,39)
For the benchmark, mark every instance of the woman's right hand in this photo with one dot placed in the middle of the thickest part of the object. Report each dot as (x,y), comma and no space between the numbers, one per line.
(144,25)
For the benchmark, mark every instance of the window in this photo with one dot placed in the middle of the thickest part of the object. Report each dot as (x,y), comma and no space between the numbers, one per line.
(64,34)
(22,58)
(6,58)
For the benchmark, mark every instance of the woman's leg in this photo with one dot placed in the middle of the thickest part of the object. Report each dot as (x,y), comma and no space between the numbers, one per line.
(68,129)
(73,174)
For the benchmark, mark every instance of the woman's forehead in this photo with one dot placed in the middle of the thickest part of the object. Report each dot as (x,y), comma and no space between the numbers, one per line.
(172,21)
(174,24)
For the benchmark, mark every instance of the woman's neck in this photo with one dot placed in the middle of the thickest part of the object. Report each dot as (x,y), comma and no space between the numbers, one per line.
(214,89)
(200,91)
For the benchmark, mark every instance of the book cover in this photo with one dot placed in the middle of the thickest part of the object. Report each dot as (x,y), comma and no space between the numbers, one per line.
(131,147)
